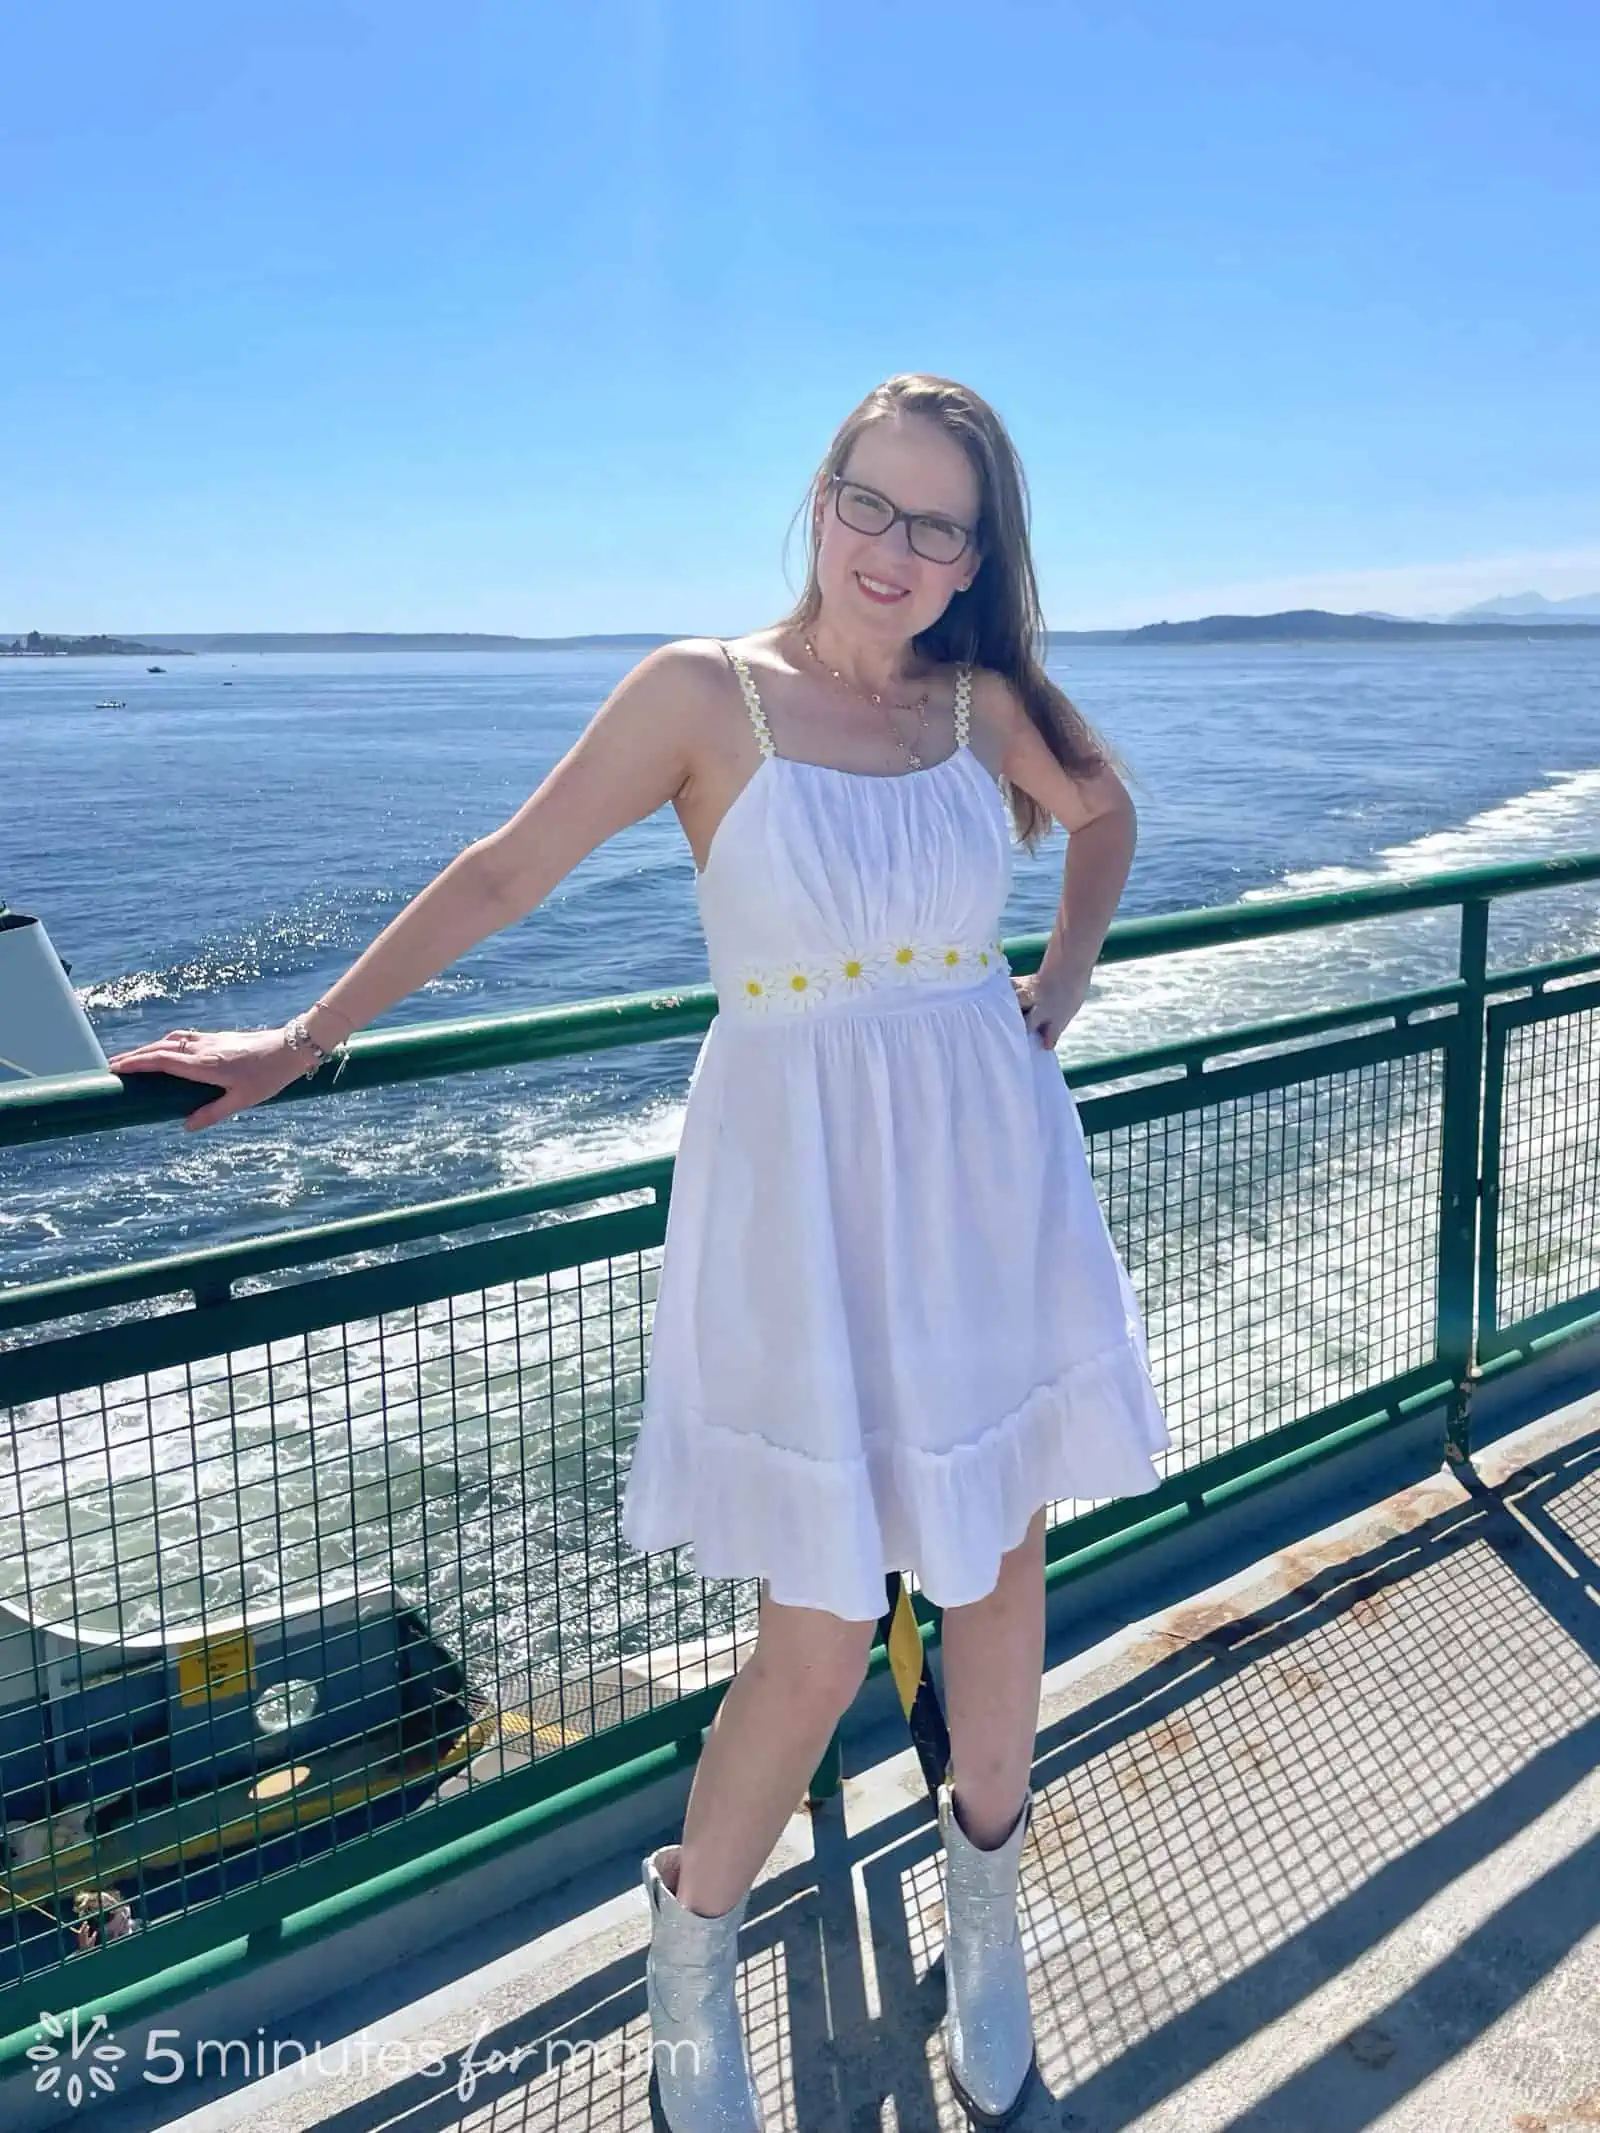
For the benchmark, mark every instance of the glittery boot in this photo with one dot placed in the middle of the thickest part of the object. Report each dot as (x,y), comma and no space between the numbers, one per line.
(988,2031)
(705,2084)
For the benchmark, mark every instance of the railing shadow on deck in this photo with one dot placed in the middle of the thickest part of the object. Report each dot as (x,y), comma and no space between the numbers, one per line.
(1234,1825)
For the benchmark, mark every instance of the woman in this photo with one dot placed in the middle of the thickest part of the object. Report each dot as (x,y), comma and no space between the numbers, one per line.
(891,1326)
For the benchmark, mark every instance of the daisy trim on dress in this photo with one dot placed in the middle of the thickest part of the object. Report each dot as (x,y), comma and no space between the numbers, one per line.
(752,701)
(894,966)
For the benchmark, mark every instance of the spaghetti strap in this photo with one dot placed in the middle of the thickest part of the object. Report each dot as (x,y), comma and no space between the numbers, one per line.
(763,732)
(752,700)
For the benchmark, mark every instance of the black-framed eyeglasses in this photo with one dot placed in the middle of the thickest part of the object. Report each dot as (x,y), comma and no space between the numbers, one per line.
(933,537)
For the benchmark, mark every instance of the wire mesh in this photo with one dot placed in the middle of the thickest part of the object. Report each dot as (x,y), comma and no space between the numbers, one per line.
(377,1563)
(1283,1245)
(1547,1230)
(433,1494)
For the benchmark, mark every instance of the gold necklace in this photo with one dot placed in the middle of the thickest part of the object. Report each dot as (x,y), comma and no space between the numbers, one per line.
(871,696)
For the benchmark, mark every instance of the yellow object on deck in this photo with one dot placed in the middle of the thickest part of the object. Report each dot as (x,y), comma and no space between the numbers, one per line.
(919,1699)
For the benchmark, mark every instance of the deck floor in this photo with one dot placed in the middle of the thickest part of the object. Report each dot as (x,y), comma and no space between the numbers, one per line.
(1316,1852)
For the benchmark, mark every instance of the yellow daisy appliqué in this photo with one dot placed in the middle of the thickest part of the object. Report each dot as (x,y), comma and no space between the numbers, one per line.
(860,974)
(898,965)
(795,987)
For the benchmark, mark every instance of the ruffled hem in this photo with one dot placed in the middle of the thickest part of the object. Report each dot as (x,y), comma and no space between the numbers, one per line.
(825,1532)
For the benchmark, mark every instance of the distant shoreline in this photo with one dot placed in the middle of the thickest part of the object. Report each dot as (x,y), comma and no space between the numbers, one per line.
(38,644)
(1297,626)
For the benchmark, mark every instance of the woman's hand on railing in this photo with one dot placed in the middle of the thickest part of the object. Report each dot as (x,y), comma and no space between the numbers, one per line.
(248,1065)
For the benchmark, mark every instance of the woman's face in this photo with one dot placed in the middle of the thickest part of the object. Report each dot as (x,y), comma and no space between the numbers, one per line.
(876,584)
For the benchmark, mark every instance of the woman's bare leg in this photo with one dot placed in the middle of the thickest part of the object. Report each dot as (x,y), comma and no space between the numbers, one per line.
(993,1667)
(764,1744)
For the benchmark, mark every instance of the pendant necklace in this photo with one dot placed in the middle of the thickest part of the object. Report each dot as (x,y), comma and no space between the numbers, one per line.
(871,696)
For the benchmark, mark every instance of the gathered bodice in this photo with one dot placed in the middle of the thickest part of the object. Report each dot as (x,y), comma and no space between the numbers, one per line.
(827,889)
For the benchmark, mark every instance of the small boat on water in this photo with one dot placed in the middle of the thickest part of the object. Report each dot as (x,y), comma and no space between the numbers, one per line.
(140,1774)
(155,670)
(112,703)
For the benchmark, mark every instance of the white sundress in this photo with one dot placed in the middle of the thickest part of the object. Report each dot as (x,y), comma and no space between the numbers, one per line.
(890,1319)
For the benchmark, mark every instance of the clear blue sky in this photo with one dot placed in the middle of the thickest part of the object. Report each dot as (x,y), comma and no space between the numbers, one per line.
(369,314)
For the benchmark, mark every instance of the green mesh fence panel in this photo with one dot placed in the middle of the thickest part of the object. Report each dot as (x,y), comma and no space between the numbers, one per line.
(1547,1229)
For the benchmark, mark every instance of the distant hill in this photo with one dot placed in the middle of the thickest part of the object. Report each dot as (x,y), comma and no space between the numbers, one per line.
(1314,625)
(1582,607)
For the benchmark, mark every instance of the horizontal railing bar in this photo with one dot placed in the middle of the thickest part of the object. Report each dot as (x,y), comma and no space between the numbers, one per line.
(1192,1052)
(1282,1070)
(106,1354)
(43,1368)
(214,1266)
(1545,1006)
(1530,1336)
(109,1108)
(1276,1458)
(1530,1347)
(1410,1392)
(1266,916)
(1541,974)
(46,1109)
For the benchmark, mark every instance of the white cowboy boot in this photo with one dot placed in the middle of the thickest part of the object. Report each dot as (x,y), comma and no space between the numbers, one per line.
(988,2030)
(700,2079)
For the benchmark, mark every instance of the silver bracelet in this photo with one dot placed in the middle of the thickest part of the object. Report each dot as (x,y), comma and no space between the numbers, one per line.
(299,1039)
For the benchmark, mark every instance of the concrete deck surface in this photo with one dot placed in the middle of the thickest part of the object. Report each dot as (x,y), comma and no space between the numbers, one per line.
(1317,1851)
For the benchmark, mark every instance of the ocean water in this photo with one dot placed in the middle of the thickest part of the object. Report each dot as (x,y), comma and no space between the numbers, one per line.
(217,853)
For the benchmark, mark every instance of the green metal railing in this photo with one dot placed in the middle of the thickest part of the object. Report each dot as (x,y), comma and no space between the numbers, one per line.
(439,1402)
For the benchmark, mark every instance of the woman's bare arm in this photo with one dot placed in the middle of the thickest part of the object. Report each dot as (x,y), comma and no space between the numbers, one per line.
(634,755)
(1101,822)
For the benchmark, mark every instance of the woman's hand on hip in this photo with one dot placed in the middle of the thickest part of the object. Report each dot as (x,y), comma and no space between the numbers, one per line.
(1049,999)
(247,1065)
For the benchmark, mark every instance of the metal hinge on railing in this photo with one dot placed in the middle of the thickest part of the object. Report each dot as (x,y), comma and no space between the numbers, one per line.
(1458,1427)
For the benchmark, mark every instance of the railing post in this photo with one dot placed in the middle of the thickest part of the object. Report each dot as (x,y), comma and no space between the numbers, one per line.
(1461,1143)
(826,1778)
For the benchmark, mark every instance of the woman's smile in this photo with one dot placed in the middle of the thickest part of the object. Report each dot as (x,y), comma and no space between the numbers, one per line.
(878,589)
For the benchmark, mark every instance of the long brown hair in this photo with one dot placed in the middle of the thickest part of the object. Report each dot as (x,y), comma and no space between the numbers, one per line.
(996,623)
